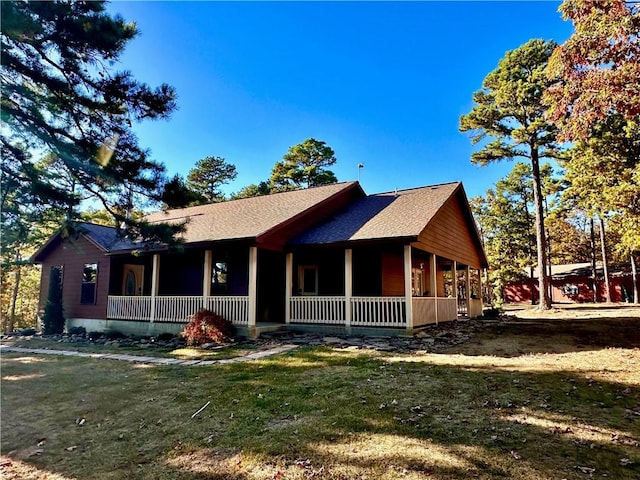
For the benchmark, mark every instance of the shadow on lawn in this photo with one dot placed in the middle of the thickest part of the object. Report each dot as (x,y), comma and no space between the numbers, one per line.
(543,335)
(322,413)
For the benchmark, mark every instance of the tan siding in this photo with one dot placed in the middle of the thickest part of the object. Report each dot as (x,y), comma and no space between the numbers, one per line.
(73,255)
(449,235)
(392,274)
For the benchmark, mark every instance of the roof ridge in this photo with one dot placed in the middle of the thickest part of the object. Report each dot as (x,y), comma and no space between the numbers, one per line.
(206,206)
(404,190)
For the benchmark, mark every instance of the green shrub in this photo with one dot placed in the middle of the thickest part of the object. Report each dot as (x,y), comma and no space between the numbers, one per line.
(207,327)
(53,319)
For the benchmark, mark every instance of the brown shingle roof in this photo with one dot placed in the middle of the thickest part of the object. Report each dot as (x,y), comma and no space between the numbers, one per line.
(400,214)
(249,217)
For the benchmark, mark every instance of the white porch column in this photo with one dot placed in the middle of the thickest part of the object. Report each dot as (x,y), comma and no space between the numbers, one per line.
(468,287)
(288,288)
(206,277)
(407,287)
(348,287)
(480,290)
(253,285)
(155,284)
(434,282)
(454,276)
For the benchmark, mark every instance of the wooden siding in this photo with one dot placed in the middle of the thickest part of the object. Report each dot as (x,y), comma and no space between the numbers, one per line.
(392,274)
(451,235)
(72,255)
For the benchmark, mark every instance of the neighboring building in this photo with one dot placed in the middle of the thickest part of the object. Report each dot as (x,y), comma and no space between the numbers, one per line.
(327,256)
(573,283)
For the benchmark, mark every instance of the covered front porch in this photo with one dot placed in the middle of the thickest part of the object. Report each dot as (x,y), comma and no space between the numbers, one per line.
(399,287)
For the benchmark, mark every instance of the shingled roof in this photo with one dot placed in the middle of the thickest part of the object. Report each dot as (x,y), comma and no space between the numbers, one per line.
(249,218)
(399,214)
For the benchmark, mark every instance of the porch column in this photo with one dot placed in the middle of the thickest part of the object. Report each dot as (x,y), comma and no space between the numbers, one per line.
(288,288)
(434,283)
(480,290)
(454,276)
(206,277)
(348,287)
(155,283)
(253,285)
(468,287)
(408,297)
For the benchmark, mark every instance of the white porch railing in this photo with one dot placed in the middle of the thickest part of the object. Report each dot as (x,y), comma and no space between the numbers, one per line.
(233,308)
(378,312)
(312,309)
(129,308)
(177,309)
(475,307)
(365,311)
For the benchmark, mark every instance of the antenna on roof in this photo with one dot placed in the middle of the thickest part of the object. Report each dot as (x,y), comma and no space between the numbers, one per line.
(360,165)
(396,192)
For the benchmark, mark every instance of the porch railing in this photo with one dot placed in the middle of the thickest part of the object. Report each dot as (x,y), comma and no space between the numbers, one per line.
(325,310)
(424,310)
(378,312)
(365,311)
(176,309)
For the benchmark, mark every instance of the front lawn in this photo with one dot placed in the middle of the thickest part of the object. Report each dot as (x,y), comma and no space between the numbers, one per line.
(503,406)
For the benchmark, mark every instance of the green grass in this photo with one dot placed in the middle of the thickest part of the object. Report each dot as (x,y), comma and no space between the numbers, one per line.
(334,414)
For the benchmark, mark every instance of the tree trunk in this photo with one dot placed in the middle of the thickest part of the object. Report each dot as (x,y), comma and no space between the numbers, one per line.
(634,278)
(605,265)
(14,295)
(541,238)
(594,272)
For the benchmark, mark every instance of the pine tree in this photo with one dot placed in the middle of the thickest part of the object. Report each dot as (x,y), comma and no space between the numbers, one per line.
(509,109)
(62,96)
(304,166)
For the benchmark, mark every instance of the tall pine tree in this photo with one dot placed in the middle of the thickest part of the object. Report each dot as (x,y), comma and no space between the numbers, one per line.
(509,110)
(61,96)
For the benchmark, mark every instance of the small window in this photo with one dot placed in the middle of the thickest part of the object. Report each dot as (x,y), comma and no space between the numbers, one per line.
(89,281)
(308,279)
(219,274)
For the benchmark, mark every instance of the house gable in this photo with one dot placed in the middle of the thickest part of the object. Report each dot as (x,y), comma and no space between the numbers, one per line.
(452,233)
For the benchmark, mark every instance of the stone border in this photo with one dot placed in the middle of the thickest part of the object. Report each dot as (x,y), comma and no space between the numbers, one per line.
(152,360)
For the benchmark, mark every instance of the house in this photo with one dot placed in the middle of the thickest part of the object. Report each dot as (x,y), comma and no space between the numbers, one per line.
(573,283)
(327,257)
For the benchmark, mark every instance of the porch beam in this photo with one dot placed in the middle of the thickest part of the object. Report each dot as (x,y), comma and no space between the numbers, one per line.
(288,288)
(253,285)
(434,282)
(206,276)
(407,288)
(155,285)
(348,287)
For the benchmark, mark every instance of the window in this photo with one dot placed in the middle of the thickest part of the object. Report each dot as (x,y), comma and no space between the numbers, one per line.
(308,279)
(219,274)
(89,280)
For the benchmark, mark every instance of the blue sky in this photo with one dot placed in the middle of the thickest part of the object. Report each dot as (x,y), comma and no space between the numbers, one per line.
(383,83)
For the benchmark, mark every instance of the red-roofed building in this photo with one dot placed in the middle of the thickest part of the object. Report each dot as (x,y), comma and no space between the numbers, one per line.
(327,256)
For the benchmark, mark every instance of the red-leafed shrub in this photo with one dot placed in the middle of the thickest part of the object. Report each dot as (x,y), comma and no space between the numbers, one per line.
(207,327)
